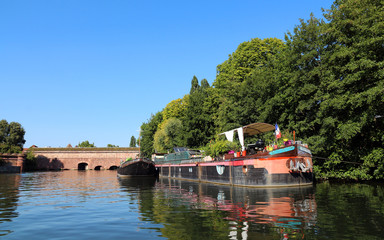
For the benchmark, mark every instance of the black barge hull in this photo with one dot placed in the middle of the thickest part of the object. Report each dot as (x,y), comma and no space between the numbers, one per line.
(137,168)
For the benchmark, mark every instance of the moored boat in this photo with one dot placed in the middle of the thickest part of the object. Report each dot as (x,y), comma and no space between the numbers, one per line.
(138,167)
(256,166)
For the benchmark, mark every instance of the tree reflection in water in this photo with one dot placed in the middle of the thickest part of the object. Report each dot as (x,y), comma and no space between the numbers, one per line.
(9,196)
(190,210)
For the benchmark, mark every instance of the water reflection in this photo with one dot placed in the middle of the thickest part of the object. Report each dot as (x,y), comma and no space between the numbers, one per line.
(9,195)
(98,205)
(129,184)
(140,191)
(350,211)
(188,209)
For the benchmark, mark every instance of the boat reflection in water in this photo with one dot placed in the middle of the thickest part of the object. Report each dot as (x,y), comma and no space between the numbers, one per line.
(286,211)
(137,183)
(177,209)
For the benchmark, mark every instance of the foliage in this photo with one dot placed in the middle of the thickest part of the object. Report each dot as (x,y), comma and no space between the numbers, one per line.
(169,135)
(148,131)
(325,82)
(113,146)
(76,149)
(133,142)
(220,147)
(197,122)
(30,163)
(11,137)
(194,85)
(237,89)
(175,108)
(86,144)
(6,148)
(352,87)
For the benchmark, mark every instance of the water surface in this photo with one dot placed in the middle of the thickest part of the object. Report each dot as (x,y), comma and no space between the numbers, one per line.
(99,205)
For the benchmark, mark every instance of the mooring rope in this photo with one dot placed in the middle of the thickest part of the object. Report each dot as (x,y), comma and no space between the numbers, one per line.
(337,160)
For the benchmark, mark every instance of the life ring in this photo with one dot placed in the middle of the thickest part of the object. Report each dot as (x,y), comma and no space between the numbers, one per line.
(292,166)
(306,167)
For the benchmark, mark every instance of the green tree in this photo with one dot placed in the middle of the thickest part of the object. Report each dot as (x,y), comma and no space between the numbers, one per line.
(197,122)
(133,142)
(169,135)
(11,137)
(294,92)
(194,85)
(86,144)
(175,109)
(148,131)
(353,89)
(4,129)
(325,82)
(232,74)
(112,146)
(30,161)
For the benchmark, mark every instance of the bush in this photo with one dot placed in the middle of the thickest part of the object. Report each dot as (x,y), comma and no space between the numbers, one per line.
(220,147)
(30,163)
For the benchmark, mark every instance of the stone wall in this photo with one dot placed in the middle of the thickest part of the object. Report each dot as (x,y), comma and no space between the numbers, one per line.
(11,163)
(82,159)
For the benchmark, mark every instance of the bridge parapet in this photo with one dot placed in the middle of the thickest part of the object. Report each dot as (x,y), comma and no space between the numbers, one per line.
(82,158)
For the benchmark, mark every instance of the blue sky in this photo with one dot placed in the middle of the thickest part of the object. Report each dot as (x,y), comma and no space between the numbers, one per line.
(76,70)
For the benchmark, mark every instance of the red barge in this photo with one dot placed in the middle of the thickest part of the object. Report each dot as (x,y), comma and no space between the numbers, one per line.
(284,166)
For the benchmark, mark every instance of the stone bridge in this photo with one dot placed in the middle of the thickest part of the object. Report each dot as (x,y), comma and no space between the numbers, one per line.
(11,163)
(82,158)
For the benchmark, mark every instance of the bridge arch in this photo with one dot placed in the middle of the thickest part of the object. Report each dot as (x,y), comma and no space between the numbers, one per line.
(82,166)
(82,158)
(98,167)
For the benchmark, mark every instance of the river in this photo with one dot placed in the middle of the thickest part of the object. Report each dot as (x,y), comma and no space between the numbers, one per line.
(98,205)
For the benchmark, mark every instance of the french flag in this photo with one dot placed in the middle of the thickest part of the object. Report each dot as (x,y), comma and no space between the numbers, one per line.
(277,132)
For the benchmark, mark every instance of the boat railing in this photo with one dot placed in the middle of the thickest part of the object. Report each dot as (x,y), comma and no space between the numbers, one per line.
(267,150)
(178,161)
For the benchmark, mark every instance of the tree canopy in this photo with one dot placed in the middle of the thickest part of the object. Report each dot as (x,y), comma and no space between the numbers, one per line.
(148,131)
(132,142)
(11,137)
(112,146)
(325,82)
(169,135)
(86,144)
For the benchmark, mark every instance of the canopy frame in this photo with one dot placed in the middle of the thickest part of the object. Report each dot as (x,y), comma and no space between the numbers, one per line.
(249,130)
